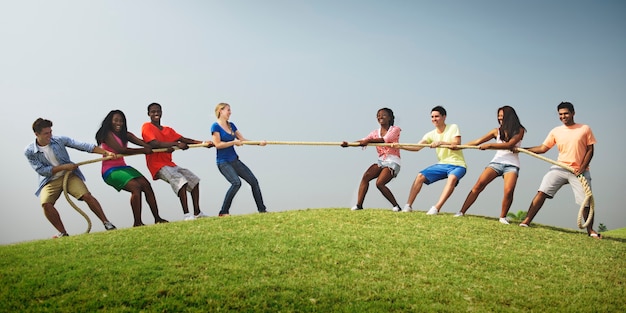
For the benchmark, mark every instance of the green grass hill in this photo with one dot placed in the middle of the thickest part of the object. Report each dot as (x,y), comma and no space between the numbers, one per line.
(319,260)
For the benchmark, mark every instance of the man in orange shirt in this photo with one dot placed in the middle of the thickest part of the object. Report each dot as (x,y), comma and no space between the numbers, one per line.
(575,143)
(161,165)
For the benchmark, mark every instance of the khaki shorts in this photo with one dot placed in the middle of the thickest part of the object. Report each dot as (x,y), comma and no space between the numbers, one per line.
(51,192)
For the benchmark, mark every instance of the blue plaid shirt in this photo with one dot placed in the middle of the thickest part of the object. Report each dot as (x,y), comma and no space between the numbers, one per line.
(42,165)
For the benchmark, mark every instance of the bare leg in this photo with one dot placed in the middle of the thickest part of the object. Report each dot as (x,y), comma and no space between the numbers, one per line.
(95,206)
(510,180)
(134,187)
(415,188)
(381,183)
(148,192)
(590,226)
(535,205)
(447,191)
(53,216)
(372,172)
(182,196)
(487,176)
(195,198)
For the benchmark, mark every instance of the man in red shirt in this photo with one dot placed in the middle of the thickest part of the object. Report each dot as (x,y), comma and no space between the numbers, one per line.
(161,165)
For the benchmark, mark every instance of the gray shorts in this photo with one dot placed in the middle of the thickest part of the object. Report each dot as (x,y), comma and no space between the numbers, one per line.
(557,177)
(177,177)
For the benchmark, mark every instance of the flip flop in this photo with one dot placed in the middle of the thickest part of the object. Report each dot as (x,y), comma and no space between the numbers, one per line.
(596,235)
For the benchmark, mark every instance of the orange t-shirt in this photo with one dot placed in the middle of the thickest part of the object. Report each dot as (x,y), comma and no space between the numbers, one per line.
(572,142)
(157,160)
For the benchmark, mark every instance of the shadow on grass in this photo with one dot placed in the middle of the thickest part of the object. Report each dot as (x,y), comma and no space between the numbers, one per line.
(554,228)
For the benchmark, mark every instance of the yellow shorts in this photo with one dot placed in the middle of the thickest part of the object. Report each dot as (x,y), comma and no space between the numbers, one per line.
(51,192)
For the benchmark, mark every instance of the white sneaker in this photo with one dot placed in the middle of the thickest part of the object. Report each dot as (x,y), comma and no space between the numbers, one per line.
(201,215)
(504,220)
(407,208)
(396,209)
(189,217)
(459,214)
(356,208)
(523,225)
(432,211)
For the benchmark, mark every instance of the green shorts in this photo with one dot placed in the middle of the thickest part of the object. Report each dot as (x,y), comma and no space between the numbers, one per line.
(118,177)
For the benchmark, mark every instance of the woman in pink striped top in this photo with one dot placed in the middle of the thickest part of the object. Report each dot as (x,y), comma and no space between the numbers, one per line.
(388,165)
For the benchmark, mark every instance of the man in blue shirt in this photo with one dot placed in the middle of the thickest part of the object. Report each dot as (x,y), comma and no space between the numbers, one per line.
(49,158)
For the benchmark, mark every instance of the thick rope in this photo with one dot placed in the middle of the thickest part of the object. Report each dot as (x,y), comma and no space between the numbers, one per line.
(67,174)
(583,181)
(588,195)
(350,144)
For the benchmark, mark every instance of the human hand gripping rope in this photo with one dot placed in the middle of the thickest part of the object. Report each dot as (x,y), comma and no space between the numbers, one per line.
(67,174)
(588,199)
(583,181)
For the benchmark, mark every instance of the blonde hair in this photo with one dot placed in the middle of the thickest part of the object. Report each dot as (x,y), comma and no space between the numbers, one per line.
(219,107)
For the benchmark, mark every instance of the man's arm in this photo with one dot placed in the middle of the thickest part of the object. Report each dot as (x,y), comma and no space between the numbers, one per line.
(538,149)
(586,160)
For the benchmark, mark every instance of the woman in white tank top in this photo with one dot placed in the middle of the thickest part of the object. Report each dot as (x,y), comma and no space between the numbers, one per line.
(505,163)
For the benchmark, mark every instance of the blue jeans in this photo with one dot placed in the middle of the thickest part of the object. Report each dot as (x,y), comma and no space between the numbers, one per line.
(232,171)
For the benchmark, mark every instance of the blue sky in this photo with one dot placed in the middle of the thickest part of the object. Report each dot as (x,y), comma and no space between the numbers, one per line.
(310,71)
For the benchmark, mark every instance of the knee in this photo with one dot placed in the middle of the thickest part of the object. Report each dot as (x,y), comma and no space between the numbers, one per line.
(420,179)
(48,207)
(479,187)
(236,184)
(88,197)
(508,192)
(381,185)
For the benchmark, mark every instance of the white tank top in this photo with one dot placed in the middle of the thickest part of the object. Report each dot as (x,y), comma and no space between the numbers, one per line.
(506,156)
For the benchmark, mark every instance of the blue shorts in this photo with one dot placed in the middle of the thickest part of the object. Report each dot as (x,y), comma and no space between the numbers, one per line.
(438,172)
(501,168)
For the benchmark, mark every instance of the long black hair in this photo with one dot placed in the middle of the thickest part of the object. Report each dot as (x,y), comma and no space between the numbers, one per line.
(510,123)
(107,126)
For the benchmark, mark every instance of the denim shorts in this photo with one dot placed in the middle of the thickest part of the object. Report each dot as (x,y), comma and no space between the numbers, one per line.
(502,168)
(393,166)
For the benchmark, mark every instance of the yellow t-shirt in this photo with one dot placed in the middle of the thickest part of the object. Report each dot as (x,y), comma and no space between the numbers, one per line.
(445,155)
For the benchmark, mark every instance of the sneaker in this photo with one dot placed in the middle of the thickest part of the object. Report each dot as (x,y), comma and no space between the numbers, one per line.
(223,214)
(189,217)
(523,225)
(109,226)
(407,208)
(396,209)
(432,211)
(504,220)
(459,214)
(201,215)
(59,235)
(356,208)
(161,221)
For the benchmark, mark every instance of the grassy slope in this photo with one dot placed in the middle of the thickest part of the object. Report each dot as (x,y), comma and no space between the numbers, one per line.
(319,260)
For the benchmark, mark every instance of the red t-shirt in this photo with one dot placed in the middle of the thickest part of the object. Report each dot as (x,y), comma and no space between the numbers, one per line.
(157,160)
